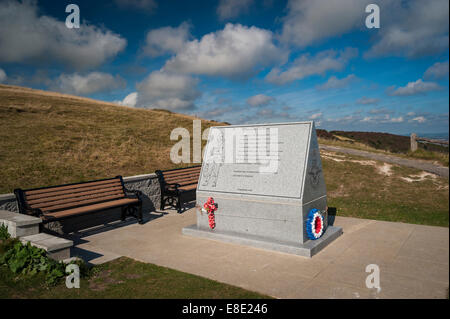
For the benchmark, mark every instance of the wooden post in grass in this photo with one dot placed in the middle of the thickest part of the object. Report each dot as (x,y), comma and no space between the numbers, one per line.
(413,142)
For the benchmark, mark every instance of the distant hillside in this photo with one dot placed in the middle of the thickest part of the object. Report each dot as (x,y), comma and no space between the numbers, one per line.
(382,141)
(49,138)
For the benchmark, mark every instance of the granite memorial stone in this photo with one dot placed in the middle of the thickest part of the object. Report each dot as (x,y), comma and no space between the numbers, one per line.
(268,185)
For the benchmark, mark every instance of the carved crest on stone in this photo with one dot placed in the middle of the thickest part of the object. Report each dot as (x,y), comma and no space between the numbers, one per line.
(314,172)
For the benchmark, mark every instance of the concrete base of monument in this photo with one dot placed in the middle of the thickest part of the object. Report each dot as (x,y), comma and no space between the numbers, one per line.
(307,249)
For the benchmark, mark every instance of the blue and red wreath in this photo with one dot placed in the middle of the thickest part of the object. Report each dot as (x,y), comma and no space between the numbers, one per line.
(314,224)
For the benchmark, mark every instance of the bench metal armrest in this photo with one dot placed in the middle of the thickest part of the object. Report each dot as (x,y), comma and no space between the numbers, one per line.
(36,212)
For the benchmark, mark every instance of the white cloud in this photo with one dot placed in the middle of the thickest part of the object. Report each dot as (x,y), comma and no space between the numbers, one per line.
(344,119)
(235,52)
(439,70)
(166,40)
(266,113)
(307,65)
(216,113)
(93,82)
(310,21)
(3,76)
(413,88)
(415,29)
(146,5)
(129,100)
(408,28)
(229,9)
(270,113)
(260,100)
(397,119)
(419,119)
(335,83)
(315,116)
(382,118)
(382,110)
(367,100)
(26,36)
(165,90)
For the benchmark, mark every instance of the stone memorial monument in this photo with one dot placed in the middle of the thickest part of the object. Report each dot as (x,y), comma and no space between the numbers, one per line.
(263,186)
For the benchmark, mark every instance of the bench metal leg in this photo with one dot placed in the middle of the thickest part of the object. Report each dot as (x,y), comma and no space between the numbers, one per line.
(123,215)
(162,202)
(179,204)
(140,217)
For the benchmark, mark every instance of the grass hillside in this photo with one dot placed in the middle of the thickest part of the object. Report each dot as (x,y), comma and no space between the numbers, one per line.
(49,138)
(391,143)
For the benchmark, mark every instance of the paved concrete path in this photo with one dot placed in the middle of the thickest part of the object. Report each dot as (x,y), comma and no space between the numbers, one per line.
(413,259)
(422,165)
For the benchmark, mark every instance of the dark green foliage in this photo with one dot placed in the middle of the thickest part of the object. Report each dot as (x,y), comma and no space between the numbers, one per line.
(28,260)
(325,134)
(4,232)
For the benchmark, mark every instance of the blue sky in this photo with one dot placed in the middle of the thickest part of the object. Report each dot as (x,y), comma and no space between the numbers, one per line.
(242,61)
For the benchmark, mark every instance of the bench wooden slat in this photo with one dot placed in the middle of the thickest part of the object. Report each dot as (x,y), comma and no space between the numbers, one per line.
(178,180)
(181,171)
(72,186)
(70,191)
(91,208)
(182,174)
(76,200)
(182,186)
(187,182)
(73,195)
(189,187)
(82,202)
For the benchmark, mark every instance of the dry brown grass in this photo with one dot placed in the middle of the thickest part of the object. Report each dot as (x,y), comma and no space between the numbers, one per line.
(437,158)
(49,138)
(358,187)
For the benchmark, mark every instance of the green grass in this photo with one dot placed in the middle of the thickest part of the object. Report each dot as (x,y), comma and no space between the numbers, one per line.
(439,158)
(362,191)
(124,278)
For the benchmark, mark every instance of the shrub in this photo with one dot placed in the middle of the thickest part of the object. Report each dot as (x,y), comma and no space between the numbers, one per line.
(28,260)
(4,234)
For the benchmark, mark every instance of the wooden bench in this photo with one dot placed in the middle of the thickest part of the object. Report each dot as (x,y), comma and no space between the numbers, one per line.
(65,201)
(178,186)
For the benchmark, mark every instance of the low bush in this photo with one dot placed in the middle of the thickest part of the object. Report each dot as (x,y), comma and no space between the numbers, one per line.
(27,260)
(4,234)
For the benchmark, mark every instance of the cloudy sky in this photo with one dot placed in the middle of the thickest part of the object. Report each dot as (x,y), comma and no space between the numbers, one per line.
(242,61)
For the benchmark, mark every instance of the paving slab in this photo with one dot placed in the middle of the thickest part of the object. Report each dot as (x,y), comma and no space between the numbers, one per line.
(19,219)
(307,249)
(19,225)
(56,247)
(413,259)
(48,242)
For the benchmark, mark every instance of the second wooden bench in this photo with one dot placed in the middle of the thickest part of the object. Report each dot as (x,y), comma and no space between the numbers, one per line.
(178,186)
